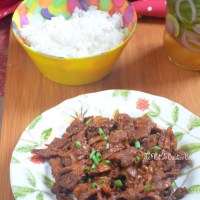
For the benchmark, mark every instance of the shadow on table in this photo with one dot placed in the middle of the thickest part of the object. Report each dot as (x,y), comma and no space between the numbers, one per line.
(148,74)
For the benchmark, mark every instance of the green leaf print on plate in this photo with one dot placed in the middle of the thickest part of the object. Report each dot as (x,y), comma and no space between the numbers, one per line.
(122,93)
(35,122)
(47,181)
(33,179)
(45,135)
(20,191)
(154,110)
(194,189)
(23,191)
(175,113)
(191,148)
(194,122)
(14,160)
(40,196)
(179,135)
(25,149)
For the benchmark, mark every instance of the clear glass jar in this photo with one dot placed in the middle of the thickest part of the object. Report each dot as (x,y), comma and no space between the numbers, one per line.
(182,33)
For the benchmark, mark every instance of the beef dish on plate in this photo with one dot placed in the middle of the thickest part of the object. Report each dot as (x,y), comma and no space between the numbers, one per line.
(119,158)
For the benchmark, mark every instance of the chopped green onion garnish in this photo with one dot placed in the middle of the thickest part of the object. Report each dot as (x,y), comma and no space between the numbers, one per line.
(86,170)
(137,144)
(174,184)
(102,181)
(78,144)
(95,160)
(94,185)
(137,159)
(148,154)
(118,183)
(92,154)
(156,148)
(107,145)
(100,131)
(105,138)
(98,156)
(105,161)
(89,180)
(157,135)
(88,121)
(93,166)
(149,188)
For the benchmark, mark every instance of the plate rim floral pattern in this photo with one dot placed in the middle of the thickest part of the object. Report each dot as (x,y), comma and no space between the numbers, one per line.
(33,179)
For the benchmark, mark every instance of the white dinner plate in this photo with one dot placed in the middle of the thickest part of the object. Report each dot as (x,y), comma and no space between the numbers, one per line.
(31,176)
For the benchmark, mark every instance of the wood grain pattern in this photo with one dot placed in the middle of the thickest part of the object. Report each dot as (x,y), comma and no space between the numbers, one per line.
(142,66)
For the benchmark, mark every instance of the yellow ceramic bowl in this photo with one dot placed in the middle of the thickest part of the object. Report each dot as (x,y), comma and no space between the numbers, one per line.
(73,71)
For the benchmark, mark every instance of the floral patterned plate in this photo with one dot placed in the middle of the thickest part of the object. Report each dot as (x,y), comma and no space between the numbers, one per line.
(31,175)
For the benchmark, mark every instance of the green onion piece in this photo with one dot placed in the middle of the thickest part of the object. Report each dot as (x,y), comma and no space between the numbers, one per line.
(148,154)
(89,180)
(149,188)
(88,121)
(105,138)
(100,131)
(93,166)
(157,135)
(107,145)
(137,159)
(98,156)
(94,185)
(95,160)
(92,154)
(174,184)
(86,170)
(137,144)
(118,183)
(78,144)
(105,161)
(102,181)
(156,148)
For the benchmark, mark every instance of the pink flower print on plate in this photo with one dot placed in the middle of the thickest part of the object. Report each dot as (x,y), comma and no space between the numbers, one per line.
(142,104)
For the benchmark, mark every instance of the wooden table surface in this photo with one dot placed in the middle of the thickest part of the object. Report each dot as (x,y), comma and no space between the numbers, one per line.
(142,66)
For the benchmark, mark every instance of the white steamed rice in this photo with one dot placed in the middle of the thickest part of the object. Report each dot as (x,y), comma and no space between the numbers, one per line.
(85,34)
